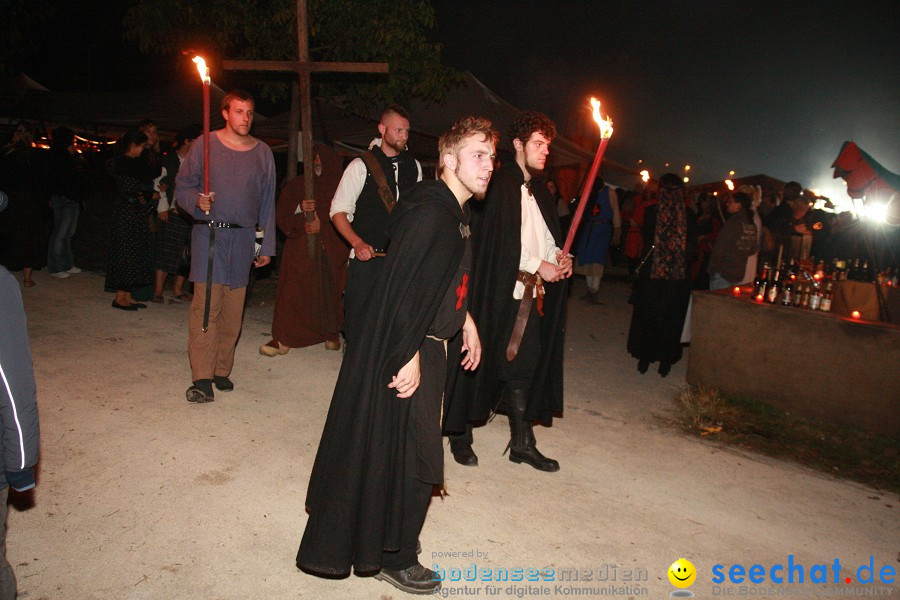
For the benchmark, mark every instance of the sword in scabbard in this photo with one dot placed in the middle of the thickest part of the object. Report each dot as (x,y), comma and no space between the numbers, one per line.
(209,276)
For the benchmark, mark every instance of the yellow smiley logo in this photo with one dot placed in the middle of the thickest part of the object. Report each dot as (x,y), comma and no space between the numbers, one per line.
(682,573)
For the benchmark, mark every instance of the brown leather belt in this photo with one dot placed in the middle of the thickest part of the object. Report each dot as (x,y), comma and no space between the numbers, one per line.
(530,281)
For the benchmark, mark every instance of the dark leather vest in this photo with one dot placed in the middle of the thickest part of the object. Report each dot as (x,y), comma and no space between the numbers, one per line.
(370,219)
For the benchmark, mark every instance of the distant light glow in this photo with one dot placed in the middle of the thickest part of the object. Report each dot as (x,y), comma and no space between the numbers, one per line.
(729,184)
(855,314)
(645,175)
(686,179)
(687,167)
(876,211)
(731,173)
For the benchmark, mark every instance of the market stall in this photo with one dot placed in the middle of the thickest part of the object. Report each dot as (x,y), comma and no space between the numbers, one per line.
(814,364)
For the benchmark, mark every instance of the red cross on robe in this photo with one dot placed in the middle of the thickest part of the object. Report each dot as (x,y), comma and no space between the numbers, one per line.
(461,290)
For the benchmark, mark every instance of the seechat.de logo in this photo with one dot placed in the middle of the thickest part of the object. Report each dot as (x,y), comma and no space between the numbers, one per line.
(794,572)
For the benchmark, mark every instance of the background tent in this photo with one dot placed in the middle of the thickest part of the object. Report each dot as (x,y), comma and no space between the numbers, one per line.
(108,114)
(335,125)
(864,175)
(867,178)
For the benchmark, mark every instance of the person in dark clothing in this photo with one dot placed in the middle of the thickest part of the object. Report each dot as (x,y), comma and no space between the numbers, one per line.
(737,240)
(518,300)
(663,288)
(779,220)
(381,454)
(173,240)
(23,235)
(129,248)
(362,205)
(66,181)
(19,424)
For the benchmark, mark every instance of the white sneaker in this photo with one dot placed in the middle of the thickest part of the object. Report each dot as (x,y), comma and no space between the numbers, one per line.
(60,275)
(74,270)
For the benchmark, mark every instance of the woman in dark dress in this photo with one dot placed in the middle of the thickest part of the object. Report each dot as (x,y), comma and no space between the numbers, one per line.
(663,287)
(129,248)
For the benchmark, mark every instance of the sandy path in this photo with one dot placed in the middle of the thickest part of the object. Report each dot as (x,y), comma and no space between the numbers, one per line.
(143,495)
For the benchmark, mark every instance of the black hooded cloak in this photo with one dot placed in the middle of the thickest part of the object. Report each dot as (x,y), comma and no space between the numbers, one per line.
(355,495)
(497,239)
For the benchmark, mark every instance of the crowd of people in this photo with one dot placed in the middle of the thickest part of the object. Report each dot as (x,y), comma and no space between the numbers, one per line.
(452,310)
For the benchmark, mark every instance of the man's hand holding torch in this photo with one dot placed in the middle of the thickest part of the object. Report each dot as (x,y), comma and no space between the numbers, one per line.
(564,261)
(205,202)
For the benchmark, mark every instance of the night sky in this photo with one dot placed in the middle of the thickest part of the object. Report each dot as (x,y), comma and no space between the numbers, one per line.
(757,87)
(754,87)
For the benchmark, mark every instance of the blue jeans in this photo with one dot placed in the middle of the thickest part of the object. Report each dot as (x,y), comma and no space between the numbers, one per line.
(65,217)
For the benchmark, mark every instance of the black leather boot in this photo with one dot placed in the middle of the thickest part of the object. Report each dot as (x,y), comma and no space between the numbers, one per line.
(461,447)
(522,447)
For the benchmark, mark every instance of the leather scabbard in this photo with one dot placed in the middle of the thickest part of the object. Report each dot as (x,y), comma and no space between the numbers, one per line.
(530,281)
(209,276)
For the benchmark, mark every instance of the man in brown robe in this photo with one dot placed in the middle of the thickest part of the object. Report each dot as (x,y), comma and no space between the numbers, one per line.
(308,301)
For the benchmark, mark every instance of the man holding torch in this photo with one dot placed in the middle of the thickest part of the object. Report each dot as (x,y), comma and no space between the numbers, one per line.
(518,301)
(241,172)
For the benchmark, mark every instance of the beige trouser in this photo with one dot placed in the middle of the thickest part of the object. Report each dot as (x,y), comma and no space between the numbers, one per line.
(212,353)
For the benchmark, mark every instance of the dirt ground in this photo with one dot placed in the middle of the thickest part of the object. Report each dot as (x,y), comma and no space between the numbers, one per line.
(144,495)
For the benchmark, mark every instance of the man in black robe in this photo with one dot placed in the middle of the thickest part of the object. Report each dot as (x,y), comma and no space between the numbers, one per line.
(381,455)
(517,256)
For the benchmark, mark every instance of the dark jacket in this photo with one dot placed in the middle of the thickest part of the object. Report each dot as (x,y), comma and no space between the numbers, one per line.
(737,240)
(65,175)
(18,405)
(497,248)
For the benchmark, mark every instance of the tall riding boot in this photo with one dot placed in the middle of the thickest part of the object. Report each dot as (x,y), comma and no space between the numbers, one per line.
(522,447)
(461,447)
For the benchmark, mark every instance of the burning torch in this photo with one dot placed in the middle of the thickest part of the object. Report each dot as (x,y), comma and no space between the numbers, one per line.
(606,131)
(204,78)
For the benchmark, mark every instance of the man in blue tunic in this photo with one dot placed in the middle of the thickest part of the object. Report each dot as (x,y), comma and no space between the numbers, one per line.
(601,227)
(242,197)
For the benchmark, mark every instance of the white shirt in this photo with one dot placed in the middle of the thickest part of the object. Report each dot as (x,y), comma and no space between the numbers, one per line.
(537,242)
(351,185)
(163,205)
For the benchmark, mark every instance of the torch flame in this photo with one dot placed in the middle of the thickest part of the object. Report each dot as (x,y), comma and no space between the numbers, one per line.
(730,184)
(202,69)
(606,128)
(645,176)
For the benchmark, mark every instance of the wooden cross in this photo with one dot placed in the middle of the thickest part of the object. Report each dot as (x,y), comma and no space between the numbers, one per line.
(303,68)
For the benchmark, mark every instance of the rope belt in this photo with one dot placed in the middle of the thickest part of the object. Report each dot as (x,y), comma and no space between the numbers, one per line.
(531,281)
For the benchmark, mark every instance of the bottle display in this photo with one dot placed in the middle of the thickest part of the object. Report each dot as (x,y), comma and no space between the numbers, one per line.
(825,304)
(813,284)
